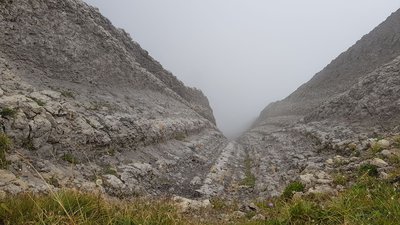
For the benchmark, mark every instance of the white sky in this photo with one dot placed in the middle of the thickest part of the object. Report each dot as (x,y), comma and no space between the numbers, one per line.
(245,54)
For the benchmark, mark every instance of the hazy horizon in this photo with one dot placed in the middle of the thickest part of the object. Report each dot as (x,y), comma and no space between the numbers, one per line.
(245,54)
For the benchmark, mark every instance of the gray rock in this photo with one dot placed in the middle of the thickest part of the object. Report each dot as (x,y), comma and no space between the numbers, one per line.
(384,143)
(379,162)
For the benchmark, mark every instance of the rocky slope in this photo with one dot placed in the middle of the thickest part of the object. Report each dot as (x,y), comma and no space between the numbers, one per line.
(86,107)
(353,99)
(379,47)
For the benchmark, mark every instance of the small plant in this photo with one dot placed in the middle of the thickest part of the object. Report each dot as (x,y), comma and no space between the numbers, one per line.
(396,140)
(250,179)
(110,170)
(180,136)
(340,179)
(28,144)
(376,148)
(53,181)
(370,170)
(111,151)
(68,94)
(39,102)
(218,203)
(8,112)
(5,146)
(295,186)
(352,147)
(68,157)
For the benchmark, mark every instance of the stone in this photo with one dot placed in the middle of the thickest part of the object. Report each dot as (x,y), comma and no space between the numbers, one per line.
(379,162)
(238,215)
(297,195)
(52,94)
(195,181)
(329,161)
(113,182)
(6,177)
(387,154)
(258,217)
(1,92)
(186,204)
(384,143)
(322,189)
(307,178)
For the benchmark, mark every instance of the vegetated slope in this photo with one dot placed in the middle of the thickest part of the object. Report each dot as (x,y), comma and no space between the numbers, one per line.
(87,107)
(335,115)
(378,47)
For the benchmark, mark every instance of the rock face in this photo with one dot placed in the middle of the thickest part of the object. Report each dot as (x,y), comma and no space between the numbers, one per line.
(87,107)
(380,46)
(356,97)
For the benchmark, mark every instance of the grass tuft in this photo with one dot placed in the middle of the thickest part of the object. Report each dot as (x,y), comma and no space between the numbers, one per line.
(68,157)
(250,178)
(368,169)
(5,146)
(295,186)
(8,112)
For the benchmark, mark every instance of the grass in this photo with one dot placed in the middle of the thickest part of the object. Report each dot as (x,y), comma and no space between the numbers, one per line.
(396,140)
(68,94)
(8,112)
(28,144)
(5,146)
(376,148)
(180,136)
(110,170)
(69,207)
(39,102)
(368,169)
(293,187)
(369,201)
(340,179)
(250,179)
(70,158)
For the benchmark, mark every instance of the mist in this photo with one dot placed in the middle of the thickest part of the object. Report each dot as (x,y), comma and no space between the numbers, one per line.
(245,54)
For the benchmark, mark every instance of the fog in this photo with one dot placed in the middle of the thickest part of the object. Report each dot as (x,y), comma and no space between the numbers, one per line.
(245,54)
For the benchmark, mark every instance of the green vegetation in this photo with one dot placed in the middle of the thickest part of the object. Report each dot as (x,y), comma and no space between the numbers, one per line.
(28,144)
(295,186)
(250,179)
(39,102)
(340,179)
(180,136)
(396,140)
(352,147)
(70,207)
(5,146)
(376,148)
(110,170)
(70,158)
(8,113)
(369,201)
(68,94)
(368,169)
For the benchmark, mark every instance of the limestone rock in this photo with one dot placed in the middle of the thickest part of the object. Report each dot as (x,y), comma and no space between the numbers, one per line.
(379,162)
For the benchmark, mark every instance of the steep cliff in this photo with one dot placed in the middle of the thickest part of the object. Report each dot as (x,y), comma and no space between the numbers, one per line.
(83,102)
(335,117)
(380,46)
